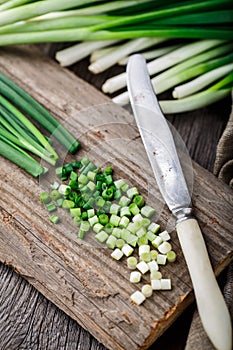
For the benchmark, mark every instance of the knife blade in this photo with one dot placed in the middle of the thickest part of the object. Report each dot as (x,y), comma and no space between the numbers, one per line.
(161,150)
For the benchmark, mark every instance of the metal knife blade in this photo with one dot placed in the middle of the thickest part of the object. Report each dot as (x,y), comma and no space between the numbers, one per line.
(161,151)
(157,137)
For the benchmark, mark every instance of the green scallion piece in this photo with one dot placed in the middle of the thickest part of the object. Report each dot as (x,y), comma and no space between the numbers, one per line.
(51,207)
(101,236)
(111,242)
(103,219)
(54,219)
(67,204)
(45,197)
(55,194)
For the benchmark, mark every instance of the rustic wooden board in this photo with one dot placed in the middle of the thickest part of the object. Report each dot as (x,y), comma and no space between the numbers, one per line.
(75,275)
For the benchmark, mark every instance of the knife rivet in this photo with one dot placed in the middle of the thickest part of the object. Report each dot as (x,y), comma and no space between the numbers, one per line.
(183,214)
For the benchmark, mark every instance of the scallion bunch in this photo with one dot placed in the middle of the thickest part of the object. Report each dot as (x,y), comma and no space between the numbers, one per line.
(18,135)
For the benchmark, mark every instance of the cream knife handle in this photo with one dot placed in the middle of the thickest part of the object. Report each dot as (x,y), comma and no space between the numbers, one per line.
(211,305)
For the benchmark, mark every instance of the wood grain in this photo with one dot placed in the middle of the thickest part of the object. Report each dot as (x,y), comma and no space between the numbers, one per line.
(67,271)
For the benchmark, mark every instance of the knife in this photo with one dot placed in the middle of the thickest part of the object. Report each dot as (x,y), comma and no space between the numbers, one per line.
(162,154)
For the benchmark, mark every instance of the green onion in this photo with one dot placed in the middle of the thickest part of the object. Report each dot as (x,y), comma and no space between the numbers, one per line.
(194,102)
(171,256)
(45,197)
(135,277)
(37,8)
(147,211)
(27,103)
(110,223)
(117,254)
(21,158)
(24,141)
(158,65)
(51,207)
(12,3)
(54,219)
(132,262)
(84,226)
(147,290)
(201,82)
(137,298)
(111,242)
(120,243)
(101,236)
(139,200)
(10,110)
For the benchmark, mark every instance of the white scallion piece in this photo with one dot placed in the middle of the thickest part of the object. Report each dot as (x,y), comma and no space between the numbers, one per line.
(156,284)
(161,259)
(132,262)
(101,236)
(116,232)
(150,236)
(153,265)
(114,209)
(137,298)
(124,221)
(97,227)
(114,220)
(132,227)
(135,277)
(93,220)
(164,247)
(141,232)
(119,183)
(147,290)
(155,275)
(153,227)
(147,211)
(137,218)
(111,242)
(142,267)
(132,192)
(171,256)
(153,254)
(157,241)
(145,257)
(120,243)
(166,284)
(55,185)
(90,213)
(75,53)
(124,201)
(117,254)
(127,249)
(165,236)
(63,189)
(145,248)
(125,211)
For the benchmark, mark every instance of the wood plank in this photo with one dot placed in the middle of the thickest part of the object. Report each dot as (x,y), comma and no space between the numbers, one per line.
(67,271)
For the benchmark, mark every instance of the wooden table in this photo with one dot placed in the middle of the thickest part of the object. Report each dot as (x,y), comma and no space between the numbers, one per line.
(29,321)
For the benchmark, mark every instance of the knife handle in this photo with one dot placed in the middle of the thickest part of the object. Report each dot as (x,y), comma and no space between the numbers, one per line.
(211,305)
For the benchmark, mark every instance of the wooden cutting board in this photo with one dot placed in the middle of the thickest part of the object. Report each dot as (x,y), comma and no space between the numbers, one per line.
(78,275)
